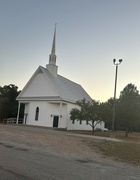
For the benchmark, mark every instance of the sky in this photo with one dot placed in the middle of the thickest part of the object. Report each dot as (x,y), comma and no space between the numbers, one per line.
(90,34)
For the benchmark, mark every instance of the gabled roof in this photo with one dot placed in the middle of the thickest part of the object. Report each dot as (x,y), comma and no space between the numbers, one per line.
(67,90)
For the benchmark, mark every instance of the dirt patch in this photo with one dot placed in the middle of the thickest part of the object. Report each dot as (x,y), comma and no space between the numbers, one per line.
(52,141)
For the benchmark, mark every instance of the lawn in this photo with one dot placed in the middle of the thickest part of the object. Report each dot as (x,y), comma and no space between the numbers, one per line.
(121,151)
(128,150)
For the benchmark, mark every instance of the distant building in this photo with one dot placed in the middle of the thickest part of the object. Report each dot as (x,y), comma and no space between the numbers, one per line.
(49,97)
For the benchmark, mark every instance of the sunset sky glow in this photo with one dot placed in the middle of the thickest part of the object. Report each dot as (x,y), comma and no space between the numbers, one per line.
(90,34)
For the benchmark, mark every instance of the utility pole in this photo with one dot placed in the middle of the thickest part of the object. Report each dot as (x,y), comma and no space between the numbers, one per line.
(114,105)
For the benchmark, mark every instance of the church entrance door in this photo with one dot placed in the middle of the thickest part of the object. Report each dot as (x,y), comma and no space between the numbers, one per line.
(55,121)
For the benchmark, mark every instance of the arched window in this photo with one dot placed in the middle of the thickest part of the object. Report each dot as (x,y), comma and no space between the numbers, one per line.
(37,113)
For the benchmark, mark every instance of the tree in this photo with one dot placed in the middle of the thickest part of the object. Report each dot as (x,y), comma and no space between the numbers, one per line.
(106,112)
(8,103)
(87,111)
(129,108)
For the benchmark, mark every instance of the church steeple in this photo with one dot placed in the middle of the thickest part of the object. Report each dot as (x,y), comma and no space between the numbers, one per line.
(52,58)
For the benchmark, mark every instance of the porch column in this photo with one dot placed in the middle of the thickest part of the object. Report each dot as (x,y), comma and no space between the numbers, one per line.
(60,115)
(18,112)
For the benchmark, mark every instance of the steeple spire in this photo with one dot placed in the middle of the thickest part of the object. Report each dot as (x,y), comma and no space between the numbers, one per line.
(52,58)
(53,45)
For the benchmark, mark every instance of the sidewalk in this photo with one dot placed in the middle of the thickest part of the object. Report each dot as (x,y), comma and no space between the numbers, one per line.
(95,137)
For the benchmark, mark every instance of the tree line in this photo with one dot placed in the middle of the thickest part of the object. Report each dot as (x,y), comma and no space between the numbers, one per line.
(8,103)
(127,111)
(127,116)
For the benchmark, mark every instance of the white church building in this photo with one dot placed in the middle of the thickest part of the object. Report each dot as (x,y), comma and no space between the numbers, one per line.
(49,97)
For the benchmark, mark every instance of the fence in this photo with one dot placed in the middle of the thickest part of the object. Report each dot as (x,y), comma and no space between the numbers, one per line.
(12,121)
